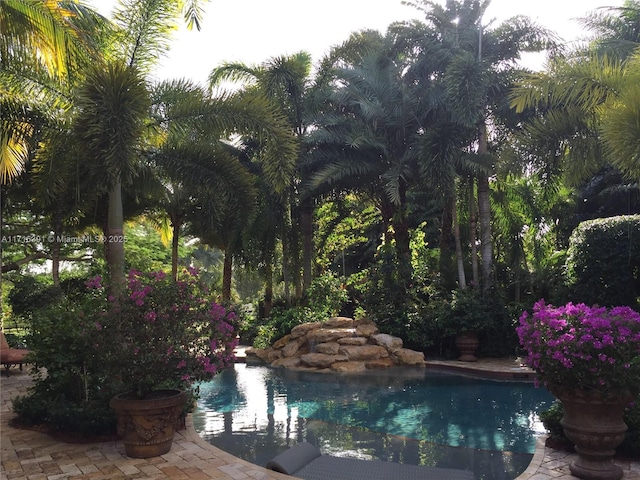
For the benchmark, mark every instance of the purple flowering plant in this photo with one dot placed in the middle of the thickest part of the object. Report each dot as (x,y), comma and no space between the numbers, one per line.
(161,333)
(589,348)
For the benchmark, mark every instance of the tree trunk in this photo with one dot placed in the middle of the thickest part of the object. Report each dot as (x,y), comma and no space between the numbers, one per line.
(175,237)
(306,225)
(268,290)
(294,249)
(226,275)
(285,256)
(473,235)
(17,264)
(462,281)
(447,241)
(401,235)
(56,247)
(484,208)
(115,240)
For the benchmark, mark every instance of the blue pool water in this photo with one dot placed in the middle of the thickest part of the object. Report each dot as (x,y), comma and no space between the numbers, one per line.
(403,415)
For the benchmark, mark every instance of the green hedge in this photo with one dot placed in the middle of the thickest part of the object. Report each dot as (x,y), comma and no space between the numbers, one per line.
(603,263)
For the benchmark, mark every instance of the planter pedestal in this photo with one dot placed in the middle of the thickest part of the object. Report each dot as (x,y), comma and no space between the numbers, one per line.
(147,426)
(596,427)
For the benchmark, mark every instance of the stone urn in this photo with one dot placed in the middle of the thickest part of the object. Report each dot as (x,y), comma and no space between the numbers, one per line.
(596,426)
(146,426)
(467,343)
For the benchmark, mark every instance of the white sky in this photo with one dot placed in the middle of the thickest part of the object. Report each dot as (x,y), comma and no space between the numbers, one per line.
(253,31)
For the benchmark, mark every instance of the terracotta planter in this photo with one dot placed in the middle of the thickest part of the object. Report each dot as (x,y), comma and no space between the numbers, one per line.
(147,426)
(596,427)
(467,344)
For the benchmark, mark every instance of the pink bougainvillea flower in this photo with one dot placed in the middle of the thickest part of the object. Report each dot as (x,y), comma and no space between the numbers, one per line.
(578,346)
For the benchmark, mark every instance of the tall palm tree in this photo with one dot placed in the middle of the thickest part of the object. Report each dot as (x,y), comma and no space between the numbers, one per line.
(286,81)
(118,87)
(584,108)
(113,105)
(366,139)
(478,64)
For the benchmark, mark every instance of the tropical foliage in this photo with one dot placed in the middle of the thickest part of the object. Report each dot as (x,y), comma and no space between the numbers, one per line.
(424,169)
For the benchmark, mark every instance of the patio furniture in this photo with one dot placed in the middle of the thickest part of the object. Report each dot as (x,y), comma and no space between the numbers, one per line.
(305,461)
(11,356)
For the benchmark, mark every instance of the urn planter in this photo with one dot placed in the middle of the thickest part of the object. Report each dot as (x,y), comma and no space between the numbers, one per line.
(467,344)
(146,426)
(595,425)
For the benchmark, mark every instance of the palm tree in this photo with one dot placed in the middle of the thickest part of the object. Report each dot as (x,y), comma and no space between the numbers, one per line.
(117,88)
(366,139)
(113,105)
(286,81)
(43,46)
(478,64)
(584,108)
(587,114)
(207,189)
(615,29)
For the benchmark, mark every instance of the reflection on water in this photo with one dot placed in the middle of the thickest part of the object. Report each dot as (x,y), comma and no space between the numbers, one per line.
(403,415)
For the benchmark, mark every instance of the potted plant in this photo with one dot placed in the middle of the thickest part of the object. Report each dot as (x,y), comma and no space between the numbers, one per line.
(589,358)
(158,338)
(468,315)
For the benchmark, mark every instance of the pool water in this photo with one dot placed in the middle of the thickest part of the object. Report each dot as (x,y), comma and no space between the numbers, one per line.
(404,415)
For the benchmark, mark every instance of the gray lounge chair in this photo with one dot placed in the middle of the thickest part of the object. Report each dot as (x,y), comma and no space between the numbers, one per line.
(305,461)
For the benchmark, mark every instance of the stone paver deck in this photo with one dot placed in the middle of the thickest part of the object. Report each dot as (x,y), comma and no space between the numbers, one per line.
(31,455)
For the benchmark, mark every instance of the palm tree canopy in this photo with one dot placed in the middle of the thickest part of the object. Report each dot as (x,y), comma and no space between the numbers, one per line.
(145,29)
(43,47)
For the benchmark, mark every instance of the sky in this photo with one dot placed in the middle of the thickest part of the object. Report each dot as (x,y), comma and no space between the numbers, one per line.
(252,31)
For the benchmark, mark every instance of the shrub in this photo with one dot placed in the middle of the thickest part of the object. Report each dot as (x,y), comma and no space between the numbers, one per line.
(593,349)
(281,321)
(72,340)
(31,293)
(326,295)
(551,420)
(385,297)
(162,333)
(447,315)
(74,395)
(86,418)
(603,264)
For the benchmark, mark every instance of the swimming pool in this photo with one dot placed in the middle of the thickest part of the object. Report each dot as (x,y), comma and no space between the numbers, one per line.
(403,415)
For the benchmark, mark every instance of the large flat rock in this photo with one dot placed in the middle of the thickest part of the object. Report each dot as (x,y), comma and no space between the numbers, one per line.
(348,367)
(321,360)
(364,352)
(324,335)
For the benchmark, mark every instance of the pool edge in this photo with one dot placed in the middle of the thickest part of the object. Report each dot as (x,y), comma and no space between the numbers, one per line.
(194,436)
(261,472)
(536,461)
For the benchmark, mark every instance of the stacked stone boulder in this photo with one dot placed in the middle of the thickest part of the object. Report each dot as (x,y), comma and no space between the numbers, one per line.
(339,344)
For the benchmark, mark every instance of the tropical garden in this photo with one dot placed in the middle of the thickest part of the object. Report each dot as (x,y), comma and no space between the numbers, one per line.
(419,177)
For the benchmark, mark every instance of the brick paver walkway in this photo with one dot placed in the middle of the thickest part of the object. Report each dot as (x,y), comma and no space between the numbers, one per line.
(29,455)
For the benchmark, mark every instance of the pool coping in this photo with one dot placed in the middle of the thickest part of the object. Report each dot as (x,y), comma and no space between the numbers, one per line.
(486,368)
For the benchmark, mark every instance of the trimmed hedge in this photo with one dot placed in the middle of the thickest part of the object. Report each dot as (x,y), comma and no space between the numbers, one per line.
(603,263)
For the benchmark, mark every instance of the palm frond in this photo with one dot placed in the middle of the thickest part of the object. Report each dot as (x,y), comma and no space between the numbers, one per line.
(145,30)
